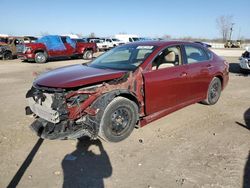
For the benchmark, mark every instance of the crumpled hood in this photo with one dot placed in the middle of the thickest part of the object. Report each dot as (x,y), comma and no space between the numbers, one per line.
(76,76)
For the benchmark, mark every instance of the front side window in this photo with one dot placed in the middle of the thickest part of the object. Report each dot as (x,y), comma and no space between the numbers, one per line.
(169,57)
(123,58)
(195,54)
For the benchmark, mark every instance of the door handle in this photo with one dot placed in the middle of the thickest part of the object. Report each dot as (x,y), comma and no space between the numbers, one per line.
(183,74)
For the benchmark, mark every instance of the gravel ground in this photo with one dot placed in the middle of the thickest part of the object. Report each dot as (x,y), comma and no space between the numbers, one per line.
(198,146)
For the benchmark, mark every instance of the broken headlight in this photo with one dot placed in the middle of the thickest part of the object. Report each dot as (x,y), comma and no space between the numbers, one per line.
(76,100)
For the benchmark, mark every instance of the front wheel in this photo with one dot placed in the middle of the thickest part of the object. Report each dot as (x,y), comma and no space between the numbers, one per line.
(214,91)
(7,55)
(40,57)
(88,55)
(118,120)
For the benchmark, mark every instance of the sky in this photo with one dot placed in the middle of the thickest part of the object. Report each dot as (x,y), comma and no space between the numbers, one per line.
(146,18)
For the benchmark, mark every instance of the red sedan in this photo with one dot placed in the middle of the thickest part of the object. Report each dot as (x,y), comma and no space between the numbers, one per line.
(126,87)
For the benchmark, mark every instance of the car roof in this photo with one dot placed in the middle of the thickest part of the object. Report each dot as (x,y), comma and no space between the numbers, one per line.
(160,43)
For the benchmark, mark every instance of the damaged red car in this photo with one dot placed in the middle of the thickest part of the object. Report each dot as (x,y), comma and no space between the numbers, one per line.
(126,87)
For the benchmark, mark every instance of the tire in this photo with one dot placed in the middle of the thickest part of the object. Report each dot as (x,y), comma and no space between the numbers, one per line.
(88,55)
(7,55)
(40,57)
(214,92)
(118,120)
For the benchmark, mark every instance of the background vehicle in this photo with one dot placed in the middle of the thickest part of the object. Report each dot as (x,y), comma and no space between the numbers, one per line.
(101,45)
(131,85)
(127,38)
(54,46)
(233,44)
(245,61)
(203,44)
(112,42)
(10,45)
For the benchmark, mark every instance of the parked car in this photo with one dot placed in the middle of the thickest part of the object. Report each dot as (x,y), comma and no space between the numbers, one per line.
(112,42)
(233,44)
(245,61)
(9,46)
(101,45)
(127,87)
(53,47)
(204,44)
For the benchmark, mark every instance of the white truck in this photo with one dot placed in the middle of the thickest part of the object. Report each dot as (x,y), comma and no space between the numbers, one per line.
(112,42)
(126,38)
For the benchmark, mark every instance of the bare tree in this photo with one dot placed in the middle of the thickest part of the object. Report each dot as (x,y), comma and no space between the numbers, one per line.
(224,24)
(80,35)
(44,33)
(92,35)
(166,36)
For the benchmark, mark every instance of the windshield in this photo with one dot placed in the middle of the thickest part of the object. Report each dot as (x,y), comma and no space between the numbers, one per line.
(135,39)
(123,58)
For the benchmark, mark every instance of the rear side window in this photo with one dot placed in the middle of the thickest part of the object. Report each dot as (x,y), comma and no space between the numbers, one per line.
(195,54)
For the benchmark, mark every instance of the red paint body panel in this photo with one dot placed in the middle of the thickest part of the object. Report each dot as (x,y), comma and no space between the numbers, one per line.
(164,88)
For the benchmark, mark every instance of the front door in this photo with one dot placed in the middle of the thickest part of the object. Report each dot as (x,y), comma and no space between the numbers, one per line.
(166,84)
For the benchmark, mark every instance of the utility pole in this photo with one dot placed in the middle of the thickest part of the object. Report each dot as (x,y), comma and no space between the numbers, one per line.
(231,31)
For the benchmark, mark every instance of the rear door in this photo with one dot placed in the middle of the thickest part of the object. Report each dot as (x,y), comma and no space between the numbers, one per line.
(166,84)
(199,66)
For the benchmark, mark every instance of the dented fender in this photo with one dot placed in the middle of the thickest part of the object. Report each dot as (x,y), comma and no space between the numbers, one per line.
(129,85)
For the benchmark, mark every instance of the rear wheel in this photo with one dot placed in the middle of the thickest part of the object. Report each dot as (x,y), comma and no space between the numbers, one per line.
(88,54)
(40,57)
(7,55)
(214,91)
(118,120)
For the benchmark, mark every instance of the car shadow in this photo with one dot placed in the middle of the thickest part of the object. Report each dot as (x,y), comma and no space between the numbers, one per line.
(85,168)
(234,68)
(246,178)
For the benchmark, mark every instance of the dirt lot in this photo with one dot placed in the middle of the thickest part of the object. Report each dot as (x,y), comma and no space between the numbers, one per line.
(198,146)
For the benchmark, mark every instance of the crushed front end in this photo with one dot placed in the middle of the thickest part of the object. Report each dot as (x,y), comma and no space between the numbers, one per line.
(58,113)
(77,112)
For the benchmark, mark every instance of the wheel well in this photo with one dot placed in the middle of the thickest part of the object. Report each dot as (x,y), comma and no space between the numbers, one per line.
(39,51)
(89,49)
(106,98)
(221,79)
(8,51)
(130,97)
